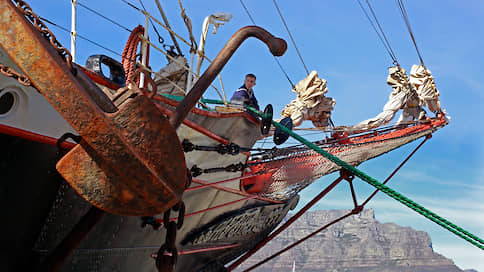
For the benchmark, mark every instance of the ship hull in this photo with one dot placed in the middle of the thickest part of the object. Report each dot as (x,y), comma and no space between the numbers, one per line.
(42,208)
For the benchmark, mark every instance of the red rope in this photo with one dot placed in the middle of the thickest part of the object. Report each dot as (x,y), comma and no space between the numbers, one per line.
(237,192)
(159,221)
(198,250)
(128,58)
(222,181)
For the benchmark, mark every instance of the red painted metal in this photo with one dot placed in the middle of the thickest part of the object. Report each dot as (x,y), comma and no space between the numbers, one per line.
(289,222)
(237,192)
(32,136)
(159,221)
(194,126)
(99,79)
(220,182)
(276,46)
(130,161)
(199,250)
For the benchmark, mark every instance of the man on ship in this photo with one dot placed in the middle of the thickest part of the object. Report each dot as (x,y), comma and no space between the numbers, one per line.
(245,94)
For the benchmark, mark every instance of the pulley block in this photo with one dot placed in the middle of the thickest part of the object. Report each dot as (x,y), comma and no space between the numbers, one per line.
(266,120)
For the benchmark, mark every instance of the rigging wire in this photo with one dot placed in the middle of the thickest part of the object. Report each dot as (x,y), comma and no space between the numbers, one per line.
(103,16)
(276,59)
(290,36)
(80,36)
(160,39)
(403,11)
(380,33)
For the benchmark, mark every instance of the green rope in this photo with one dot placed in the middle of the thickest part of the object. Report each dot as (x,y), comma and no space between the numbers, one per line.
(203,100)
(478,242)
(471,238)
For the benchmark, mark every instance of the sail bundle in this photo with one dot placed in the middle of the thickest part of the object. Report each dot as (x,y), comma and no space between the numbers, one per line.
(423,81)
(310,103)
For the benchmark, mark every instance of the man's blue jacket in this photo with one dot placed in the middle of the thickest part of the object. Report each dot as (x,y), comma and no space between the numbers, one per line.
(243,94)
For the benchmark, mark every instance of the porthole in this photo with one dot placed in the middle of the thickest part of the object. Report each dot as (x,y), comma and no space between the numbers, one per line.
(8,101)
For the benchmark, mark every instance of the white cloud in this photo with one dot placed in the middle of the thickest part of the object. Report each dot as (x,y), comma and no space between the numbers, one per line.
(464,256)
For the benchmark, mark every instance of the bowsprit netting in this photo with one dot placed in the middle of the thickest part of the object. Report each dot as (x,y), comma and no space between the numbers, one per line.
(287,171)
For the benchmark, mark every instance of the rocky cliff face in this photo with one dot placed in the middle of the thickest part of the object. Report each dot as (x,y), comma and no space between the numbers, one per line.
(356,244)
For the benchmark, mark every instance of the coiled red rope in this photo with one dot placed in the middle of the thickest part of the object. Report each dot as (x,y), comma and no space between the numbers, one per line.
(128,58)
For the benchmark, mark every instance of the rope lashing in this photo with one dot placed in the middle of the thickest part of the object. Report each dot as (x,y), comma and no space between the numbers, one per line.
(188,24)
(464,234)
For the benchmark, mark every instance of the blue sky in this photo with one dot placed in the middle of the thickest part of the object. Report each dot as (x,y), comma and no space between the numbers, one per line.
(335,39)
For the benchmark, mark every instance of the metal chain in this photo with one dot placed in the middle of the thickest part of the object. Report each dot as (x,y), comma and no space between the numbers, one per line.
(230,148)
(153,222)
(39,25)
(168,253)
(5,70)
(197,171)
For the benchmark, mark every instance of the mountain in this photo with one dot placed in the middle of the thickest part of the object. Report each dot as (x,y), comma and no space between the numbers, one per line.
(356,244)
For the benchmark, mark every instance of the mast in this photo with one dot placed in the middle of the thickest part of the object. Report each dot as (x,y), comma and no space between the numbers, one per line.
(217,20)
(144,50)
(73,29)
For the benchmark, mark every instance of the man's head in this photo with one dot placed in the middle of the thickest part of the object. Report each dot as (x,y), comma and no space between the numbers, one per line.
(249,81)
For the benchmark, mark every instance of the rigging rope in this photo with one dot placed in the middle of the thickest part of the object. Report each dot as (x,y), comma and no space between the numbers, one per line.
(188,24)
(276,59)
(290,36)
(471,238)
(403,11)
(381,34)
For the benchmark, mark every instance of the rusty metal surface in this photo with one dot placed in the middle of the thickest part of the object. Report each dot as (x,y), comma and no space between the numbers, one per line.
(277,47)
(136,142)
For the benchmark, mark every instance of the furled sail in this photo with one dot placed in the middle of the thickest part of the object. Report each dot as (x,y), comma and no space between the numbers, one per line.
(310,103)
(423,81)
(404,96)
(171,74)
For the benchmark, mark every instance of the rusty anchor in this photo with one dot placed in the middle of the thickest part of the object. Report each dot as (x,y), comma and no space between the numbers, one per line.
(129,161)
